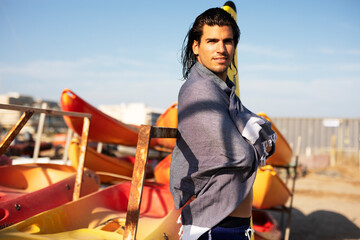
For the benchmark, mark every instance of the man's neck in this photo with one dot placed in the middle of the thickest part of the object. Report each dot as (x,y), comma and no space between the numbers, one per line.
(222,76)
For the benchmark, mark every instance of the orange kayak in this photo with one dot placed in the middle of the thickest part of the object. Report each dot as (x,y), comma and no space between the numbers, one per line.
(168,119)
(34,176)
(100,163)
(269,189)
(39,189)
(283,152)
(162,170)
(103,128)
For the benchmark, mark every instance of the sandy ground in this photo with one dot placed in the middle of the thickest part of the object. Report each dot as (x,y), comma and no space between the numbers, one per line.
(326,205)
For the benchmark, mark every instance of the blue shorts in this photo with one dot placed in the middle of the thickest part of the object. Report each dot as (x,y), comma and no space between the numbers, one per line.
(229,229)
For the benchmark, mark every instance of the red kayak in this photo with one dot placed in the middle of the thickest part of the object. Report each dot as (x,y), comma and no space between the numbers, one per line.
(18,202)
(265,226)
(103,128)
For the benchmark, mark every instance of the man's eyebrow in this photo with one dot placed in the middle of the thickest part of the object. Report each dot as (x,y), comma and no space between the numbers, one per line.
(209,39)
(217,39)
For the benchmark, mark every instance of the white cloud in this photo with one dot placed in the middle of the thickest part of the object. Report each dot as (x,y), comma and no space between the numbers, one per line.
(102,68)
(286,88)
(100,80)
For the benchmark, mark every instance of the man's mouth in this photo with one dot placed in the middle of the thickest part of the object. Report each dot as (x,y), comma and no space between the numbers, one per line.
(221,59)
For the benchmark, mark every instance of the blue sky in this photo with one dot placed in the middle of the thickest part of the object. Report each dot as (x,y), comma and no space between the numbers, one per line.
(295,58)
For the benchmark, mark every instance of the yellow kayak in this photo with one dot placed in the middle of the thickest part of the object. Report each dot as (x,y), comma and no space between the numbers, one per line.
(269,189)
(101,214)
(100,162)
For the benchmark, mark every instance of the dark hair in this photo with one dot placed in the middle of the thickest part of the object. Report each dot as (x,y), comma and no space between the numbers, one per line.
(211,17)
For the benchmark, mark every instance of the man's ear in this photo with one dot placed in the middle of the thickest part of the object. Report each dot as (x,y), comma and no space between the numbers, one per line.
(195,48)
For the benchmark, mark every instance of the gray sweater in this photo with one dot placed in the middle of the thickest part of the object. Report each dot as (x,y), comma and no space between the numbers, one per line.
(211,160)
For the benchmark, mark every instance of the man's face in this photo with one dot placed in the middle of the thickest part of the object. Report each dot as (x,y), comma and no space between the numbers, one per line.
(215,51)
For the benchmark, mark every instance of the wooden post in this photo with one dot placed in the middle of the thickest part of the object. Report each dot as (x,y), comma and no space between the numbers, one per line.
(146,132)
(333,151)
(137,183)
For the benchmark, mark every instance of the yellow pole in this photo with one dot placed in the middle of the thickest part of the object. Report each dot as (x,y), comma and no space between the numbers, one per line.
(233,70)
(229,6)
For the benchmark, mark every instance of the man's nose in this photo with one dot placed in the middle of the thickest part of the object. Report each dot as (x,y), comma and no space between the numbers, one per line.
(221,47)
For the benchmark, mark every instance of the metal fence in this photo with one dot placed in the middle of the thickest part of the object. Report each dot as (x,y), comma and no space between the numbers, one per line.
(337,140)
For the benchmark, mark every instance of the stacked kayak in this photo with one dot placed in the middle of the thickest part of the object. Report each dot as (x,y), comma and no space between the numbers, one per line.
(101,215)
(26,190)
(269,189)
(104,128)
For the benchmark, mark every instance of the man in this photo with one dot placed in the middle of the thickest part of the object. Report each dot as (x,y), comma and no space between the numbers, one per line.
(220,143)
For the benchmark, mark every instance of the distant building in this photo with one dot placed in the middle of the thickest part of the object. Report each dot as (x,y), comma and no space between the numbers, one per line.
(9,117)
(132,113)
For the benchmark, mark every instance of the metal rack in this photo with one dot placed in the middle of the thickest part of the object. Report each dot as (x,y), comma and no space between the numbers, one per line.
(146,133)
(291,175)
(28,113)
